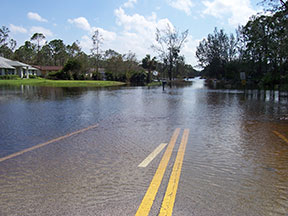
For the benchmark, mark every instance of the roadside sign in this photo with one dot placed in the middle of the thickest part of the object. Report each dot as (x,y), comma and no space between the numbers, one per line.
(155,73)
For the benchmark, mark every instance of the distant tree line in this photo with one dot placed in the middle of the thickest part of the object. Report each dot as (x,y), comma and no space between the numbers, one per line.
(259,48)
(79,65)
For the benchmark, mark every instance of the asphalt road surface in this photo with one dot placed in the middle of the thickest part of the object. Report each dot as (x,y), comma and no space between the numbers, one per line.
(140,151)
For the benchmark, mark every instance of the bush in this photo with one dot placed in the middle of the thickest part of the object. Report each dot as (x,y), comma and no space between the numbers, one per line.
(9,77)
(96,76)
(109,76)
(32,77)
(59,75)
(120,77)
(138,78)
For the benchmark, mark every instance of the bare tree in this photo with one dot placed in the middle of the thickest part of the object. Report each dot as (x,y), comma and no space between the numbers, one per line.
(97,40)
(169,44)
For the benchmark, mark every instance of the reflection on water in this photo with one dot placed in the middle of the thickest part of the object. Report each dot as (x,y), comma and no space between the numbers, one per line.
(234,163)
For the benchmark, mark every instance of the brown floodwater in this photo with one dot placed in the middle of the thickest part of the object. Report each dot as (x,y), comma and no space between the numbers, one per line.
(234,164)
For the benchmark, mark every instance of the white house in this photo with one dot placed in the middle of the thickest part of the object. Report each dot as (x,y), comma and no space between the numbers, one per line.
(10,67)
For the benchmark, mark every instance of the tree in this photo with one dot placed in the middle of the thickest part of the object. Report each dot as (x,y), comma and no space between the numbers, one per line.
(58,51)
(276,5)
(97,40)
(45,55)
(26,53)
(38,37)
(7,45)
(73,67)
(74,49)
(215,51)
(149,64)
(169,44)
(130,65)
(113,63)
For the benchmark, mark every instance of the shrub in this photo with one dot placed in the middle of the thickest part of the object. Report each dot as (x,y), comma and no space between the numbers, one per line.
(59,75)
(109,76)
(32,77)
(9,77)
(96,76)
(138,78)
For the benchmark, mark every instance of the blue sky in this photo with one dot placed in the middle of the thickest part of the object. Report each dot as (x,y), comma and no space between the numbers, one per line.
(127,25)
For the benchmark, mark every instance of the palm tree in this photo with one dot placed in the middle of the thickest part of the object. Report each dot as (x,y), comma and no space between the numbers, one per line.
(149,64)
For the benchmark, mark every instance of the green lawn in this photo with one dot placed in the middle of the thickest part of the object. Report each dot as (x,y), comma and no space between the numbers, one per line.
(60,83)
(155,84)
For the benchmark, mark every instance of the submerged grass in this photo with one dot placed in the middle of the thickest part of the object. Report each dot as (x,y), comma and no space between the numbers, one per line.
(61,83)
(154,84)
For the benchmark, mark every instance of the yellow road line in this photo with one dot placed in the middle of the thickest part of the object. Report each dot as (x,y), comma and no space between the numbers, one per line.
(46,143)
(170,195)
(149,197)
(281,136)
(151,156)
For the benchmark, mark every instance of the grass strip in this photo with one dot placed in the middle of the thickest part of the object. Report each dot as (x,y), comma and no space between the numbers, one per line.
(61,83)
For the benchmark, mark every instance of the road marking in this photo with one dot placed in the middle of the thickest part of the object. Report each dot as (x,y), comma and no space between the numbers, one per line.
(149,197)
(281,136)
(150,157)
(46,143)
(170,195)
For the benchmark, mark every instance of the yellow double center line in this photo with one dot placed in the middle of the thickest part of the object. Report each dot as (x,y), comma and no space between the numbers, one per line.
(281,136)
(169,199)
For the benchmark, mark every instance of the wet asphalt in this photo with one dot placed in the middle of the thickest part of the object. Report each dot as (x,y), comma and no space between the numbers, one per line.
(234,164)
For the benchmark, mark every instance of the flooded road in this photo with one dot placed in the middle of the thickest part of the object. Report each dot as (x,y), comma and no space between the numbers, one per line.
(235,161)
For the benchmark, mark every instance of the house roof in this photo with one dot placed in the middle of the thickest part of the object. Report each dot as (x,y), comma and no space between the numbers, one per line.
(4,64)
(10,64)
(48,68)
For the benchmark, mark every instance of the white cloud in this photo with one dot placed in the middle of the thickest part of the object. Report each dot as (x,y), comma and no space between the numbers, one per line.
(238,11)
(17,29)
(36,16)
(140,24)
(136,33)
(189,50)
(183,5)
(129,3)
(86,41)
(39,29)
(81,22)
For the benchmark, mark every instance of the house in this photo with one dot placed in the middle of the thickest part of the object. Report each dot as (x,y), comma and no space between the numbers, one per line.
(44,70)
(10,67)
(101,72)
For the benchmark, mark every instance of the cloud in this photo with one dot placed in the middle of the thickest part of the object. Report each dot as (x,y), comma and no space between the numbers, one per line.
(183,5)
(81,22)
(17,29)
(136,33)
(39,29)
(189,50)
(86,41)
(36,16)
(140,24)
(129,4)
(238,11)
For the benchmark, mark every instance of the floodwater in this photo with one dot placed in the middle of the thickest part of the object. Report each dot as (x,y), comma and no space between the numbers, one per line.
(234,162)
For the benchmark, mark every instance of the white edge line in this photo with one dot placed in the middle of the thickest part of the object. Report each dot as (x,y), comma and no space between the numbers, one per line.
(150,157)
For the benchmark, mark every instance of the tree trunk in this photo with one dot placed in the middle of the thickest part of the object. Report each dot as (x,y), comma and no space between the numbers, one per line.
(149,76)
